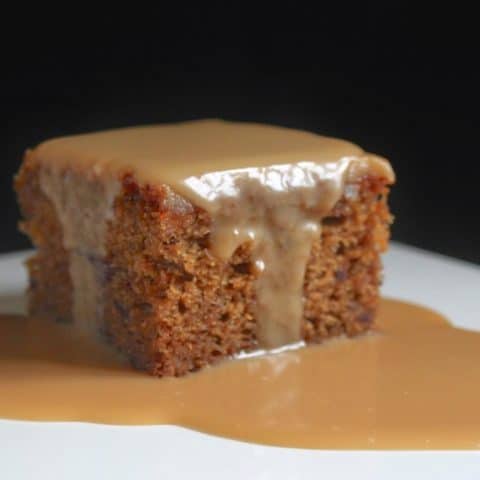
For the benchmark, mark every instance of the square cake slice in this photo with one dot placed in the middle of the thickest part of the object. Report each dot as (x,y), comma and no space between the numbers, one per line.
(186,243)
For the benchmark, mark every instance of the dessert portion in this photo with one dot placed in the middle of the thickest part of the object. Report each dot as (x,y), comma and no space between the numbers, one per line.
(187,243)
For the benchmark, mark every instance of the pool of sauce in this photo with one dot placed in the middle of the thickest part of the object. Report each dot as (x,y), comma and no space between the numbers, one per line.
(413,384)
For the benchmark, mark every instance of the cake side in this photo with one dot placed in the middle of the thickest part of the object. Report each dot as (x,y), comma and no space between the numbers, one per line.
(170,305)
(50,291)
(344,272)
(175,307)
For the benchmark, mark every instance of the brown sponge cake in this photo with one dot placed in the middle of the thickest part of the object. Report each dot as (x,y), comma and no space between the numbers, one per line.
(188,243)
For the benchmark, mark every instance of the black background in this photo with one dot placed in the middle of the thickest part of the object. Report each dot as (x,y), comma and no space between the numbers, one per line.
(399,79)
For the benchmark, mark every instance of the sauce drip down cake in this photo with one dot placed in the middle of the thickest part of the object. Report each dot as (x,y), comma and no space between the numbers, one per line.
(187,243)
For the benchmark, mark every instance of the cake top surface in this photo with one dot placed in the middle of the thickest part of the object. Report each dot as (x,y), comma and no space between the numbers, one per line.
(172,152)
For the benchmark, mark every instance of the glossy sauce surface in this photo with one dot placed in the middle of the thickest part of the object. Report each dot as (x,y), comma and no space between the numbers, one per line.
(414,384)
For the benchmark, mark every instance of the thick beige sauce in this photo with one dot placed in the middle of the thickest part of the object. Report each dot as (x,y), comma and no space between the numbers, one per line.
(179,152)
(415,384)
(268,185)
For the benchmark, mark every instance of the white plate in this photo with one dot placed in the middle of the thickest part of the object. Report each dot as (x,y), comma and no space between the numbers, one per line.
(31,450)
